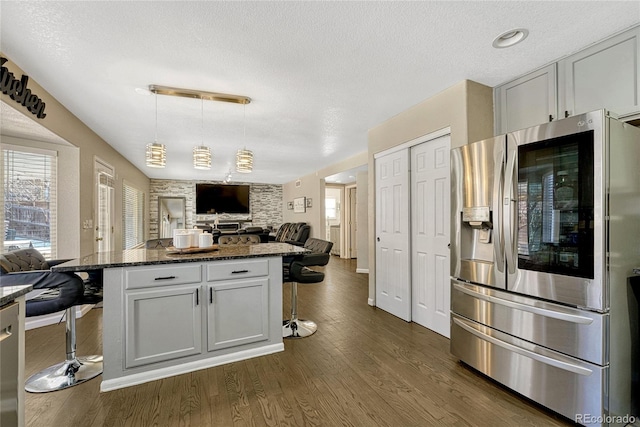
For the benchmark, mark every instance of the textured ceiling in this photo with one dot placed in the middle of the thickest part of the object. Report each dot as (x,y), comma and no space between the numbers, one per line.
(320,74)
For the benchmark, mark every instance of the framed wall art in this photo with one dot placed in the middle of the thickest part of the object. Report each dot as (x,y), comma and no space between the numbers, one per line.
(299,205)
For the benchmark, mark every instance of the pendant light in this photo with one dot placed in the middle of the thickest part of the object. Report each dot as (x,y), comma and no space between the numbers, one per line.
(202,154)
(244,157)
(156,154)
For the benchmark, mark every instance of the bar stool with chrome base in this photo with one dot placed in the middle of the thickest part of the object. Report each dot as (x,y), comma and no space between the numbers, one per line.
(294,327)
(64,292)
(297,271)
(73,371)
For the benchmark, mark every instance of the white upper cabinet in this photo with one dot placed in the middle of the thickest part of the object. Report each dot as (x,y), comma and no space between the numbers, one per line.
(605,75)
(527,101)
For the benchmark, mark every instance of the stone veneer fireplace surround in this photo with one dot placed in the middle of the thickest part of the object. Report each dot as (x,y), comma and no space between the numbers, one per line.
(265,200)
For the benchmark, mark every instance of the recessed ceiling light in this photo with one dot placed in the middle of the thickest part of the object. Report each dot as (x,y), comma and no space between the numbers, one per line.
(510,38)
(142,91)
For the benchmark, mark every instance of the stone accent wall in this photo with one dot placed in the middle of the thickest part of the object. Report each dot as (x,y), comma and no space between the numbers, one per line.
(265,200)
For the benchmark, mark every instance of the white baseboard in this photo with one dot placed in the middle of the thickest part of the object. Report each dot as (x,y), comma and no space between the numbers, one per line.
(53,318)
(157,374)
(371,302)
(362,270)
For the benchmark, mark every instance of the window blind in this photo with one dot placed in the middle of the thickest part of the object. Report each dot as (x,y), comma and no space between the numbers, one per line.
(29,198)
(132,216)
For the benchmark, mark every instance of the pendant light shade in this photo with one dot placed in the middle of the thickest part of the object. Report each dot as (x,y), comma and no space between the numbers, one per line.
(244,161)
(156,155)
(201,157)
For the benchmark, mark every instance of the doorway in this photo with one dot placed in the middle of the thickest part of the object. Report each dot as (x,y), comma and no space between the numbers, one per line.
(333,217)
(104,206)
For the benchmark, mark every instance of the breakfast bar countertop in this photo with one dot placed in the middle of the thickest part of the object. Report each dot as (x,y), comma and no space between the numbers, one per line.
(10,293)
(134,257)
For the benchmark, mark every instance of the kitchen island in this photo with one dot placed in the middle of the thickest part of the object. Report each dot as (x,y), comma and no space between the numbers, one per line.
(168,314)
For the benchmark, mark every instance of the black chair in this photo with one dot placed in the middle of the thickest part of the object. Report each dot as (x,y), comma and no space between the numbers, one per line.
(158,243)
(64,291)
(238,239)
(263,233)
(295,233)
(296,270)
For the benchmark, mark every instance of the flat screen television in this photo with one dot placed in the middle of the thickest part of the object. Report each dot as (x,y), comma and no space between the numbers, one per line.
(220,198)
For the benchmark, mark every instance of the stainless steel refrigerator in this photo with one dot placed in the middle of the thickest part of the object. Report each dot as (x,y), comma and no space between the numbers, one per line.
(545,235)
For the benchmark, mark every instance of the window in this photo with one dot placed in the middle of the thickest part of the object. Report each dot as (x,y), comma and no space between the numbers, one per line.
(331,208)
(132,216)
(29,199)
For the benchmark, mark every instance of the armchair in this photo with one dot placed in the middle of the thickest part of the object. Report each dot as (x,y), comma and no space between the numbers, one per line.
(295,233)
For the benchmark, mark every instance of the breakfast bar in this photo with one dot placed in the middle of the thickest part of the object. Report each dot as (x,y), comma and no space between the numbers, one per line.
(171,313)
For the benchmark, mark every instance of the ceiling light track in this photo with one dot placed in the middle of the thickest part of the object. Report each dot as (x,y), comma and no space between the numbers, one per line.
(199,94)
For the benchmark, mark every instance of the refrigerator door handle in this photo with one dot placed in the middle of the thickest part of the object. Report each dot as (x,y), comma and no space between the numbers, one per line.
(509,212)
(576,369)
(498,185)
(545,312)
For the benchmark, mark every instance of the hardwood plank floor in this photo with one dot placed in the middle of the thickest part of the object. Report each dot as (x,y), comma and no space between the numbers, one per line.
(364,367)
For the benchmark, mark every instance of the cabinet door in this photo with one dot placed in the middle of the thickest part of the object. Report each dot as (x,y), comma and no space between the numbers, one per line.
(162,324)
(528,101)
(237,313)
(606,75)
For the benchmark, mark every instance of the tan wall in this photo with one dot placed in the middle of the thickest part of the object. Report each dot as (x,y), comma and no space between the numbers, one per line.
(63,123)
(362,215)
(466,108)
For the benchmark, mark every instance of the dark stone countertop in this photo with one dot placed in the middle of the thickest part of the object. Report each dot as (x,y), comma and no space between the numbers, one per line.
(10,293)
(134,257)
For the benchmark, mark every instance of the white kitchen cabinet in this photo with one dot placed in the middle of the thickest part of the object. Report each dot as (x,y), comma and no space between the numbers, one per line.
(526,101)
(334,237)
(158,320)
(162,324)
(605,75)
(237,313)
(237,309)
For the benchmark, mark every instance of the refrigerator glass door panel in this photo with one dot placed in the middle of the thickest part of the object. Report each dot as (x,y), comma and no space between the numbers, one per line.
(477,181)
(555,205)
(554,210)
(577,333)
(566,385)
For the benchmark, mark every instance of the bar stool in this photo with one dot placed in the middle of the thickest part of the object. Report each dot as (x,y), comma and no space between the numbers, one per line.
(295,327)
(63,292)
(73,370)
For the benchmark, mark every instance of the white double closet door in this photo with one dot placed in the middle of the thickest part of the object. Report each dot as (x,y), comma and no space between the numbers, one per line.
(412,233)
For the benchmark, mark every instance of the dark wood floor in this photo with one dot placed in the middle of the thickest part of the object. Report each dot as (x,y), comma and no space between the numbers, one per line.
(363,367)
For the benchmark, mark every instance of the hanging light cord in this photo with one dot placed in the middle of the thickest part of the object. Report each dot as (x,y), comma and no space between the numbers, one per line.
(202,121)
(156,137)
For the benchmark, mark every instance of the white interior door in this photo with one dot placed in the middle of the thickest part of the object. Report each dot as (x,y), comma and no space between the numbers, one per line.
(393,287)
(104,207)
(430,194)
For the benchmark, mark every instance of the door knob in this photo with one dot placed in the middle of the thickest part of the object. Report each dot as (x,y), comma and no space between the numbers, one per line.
(98,239)
(378,239)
